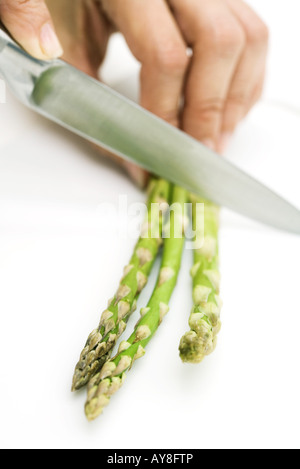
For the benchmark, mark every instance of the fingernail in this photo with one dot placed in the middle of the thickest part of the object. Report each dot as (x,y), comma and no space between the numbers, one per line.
(49,42)
(138,175)
(224,142)
(209,143)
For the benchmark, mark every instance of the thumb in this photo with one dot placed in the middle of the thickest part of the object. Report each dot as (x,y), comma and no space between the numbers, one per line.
(30,24)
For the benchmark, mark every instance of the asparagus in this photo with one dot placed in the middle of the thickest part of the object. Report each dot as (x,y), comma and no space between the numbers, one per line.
(100,343)
(111,377)
(204,320)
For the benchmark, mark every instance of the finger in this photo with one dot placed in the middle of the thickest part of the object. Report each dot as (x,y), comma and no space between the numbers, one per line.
(249,70)
(30,24)
(137,174)
(217,41)
(154,38)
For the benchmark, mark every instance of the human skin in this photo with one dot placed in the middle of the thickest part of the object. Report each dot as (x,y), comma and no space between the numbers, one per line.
(202,61)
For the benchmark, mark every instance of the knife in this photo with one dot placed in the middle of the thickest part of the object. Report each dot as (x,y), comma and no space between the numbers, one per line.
(97,113)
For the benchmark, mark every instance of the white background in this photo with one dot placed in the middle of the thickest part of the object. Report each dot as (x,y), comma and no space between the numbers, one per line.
(59,264)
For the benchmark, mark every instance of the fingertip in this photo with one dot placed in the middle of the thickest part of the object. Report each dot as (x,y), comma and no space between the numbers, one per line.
(49,42)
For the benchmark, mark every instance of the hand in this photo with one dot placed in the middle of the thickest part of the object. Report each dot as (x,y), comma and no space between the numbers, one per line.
(29,22)
(207,92)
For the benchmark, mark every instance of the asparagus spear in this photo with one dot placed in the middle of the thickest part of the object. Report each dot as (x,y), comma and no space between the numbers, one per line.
(101,341)
(205,316)
(113,373)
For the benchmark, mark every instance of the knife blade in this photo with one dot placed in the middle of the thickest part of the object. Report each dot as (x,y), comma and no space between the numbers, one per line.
(97,113)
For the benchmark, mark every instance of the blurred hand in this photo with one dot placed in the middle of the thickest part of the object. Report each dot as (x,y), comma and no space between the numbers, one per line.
(219,83)
(206,92)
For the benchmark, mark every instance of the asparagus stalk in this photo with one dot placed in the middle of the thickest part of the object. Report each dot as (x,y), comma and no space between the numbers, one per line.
(204,320)
(101,341)
(112,375)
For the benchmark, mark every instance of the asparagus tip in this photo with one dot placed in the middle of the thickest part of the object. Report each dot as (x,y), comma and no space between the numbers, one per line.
(194,348)
(77,385)
(95,407)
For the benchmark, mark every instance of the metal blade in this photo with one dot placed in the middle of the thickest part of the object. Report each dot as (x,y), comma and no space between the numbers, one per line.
(92,110)
(100,115)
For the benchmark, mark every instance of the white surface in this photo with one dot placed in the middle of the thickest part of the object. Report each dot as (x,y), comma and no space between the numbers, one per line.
(59,265)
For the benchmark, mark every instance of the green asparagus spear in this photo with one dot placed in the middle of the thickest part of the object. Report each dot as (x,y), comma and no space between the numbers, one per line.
(113,321)
(112,375)
(205,316)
